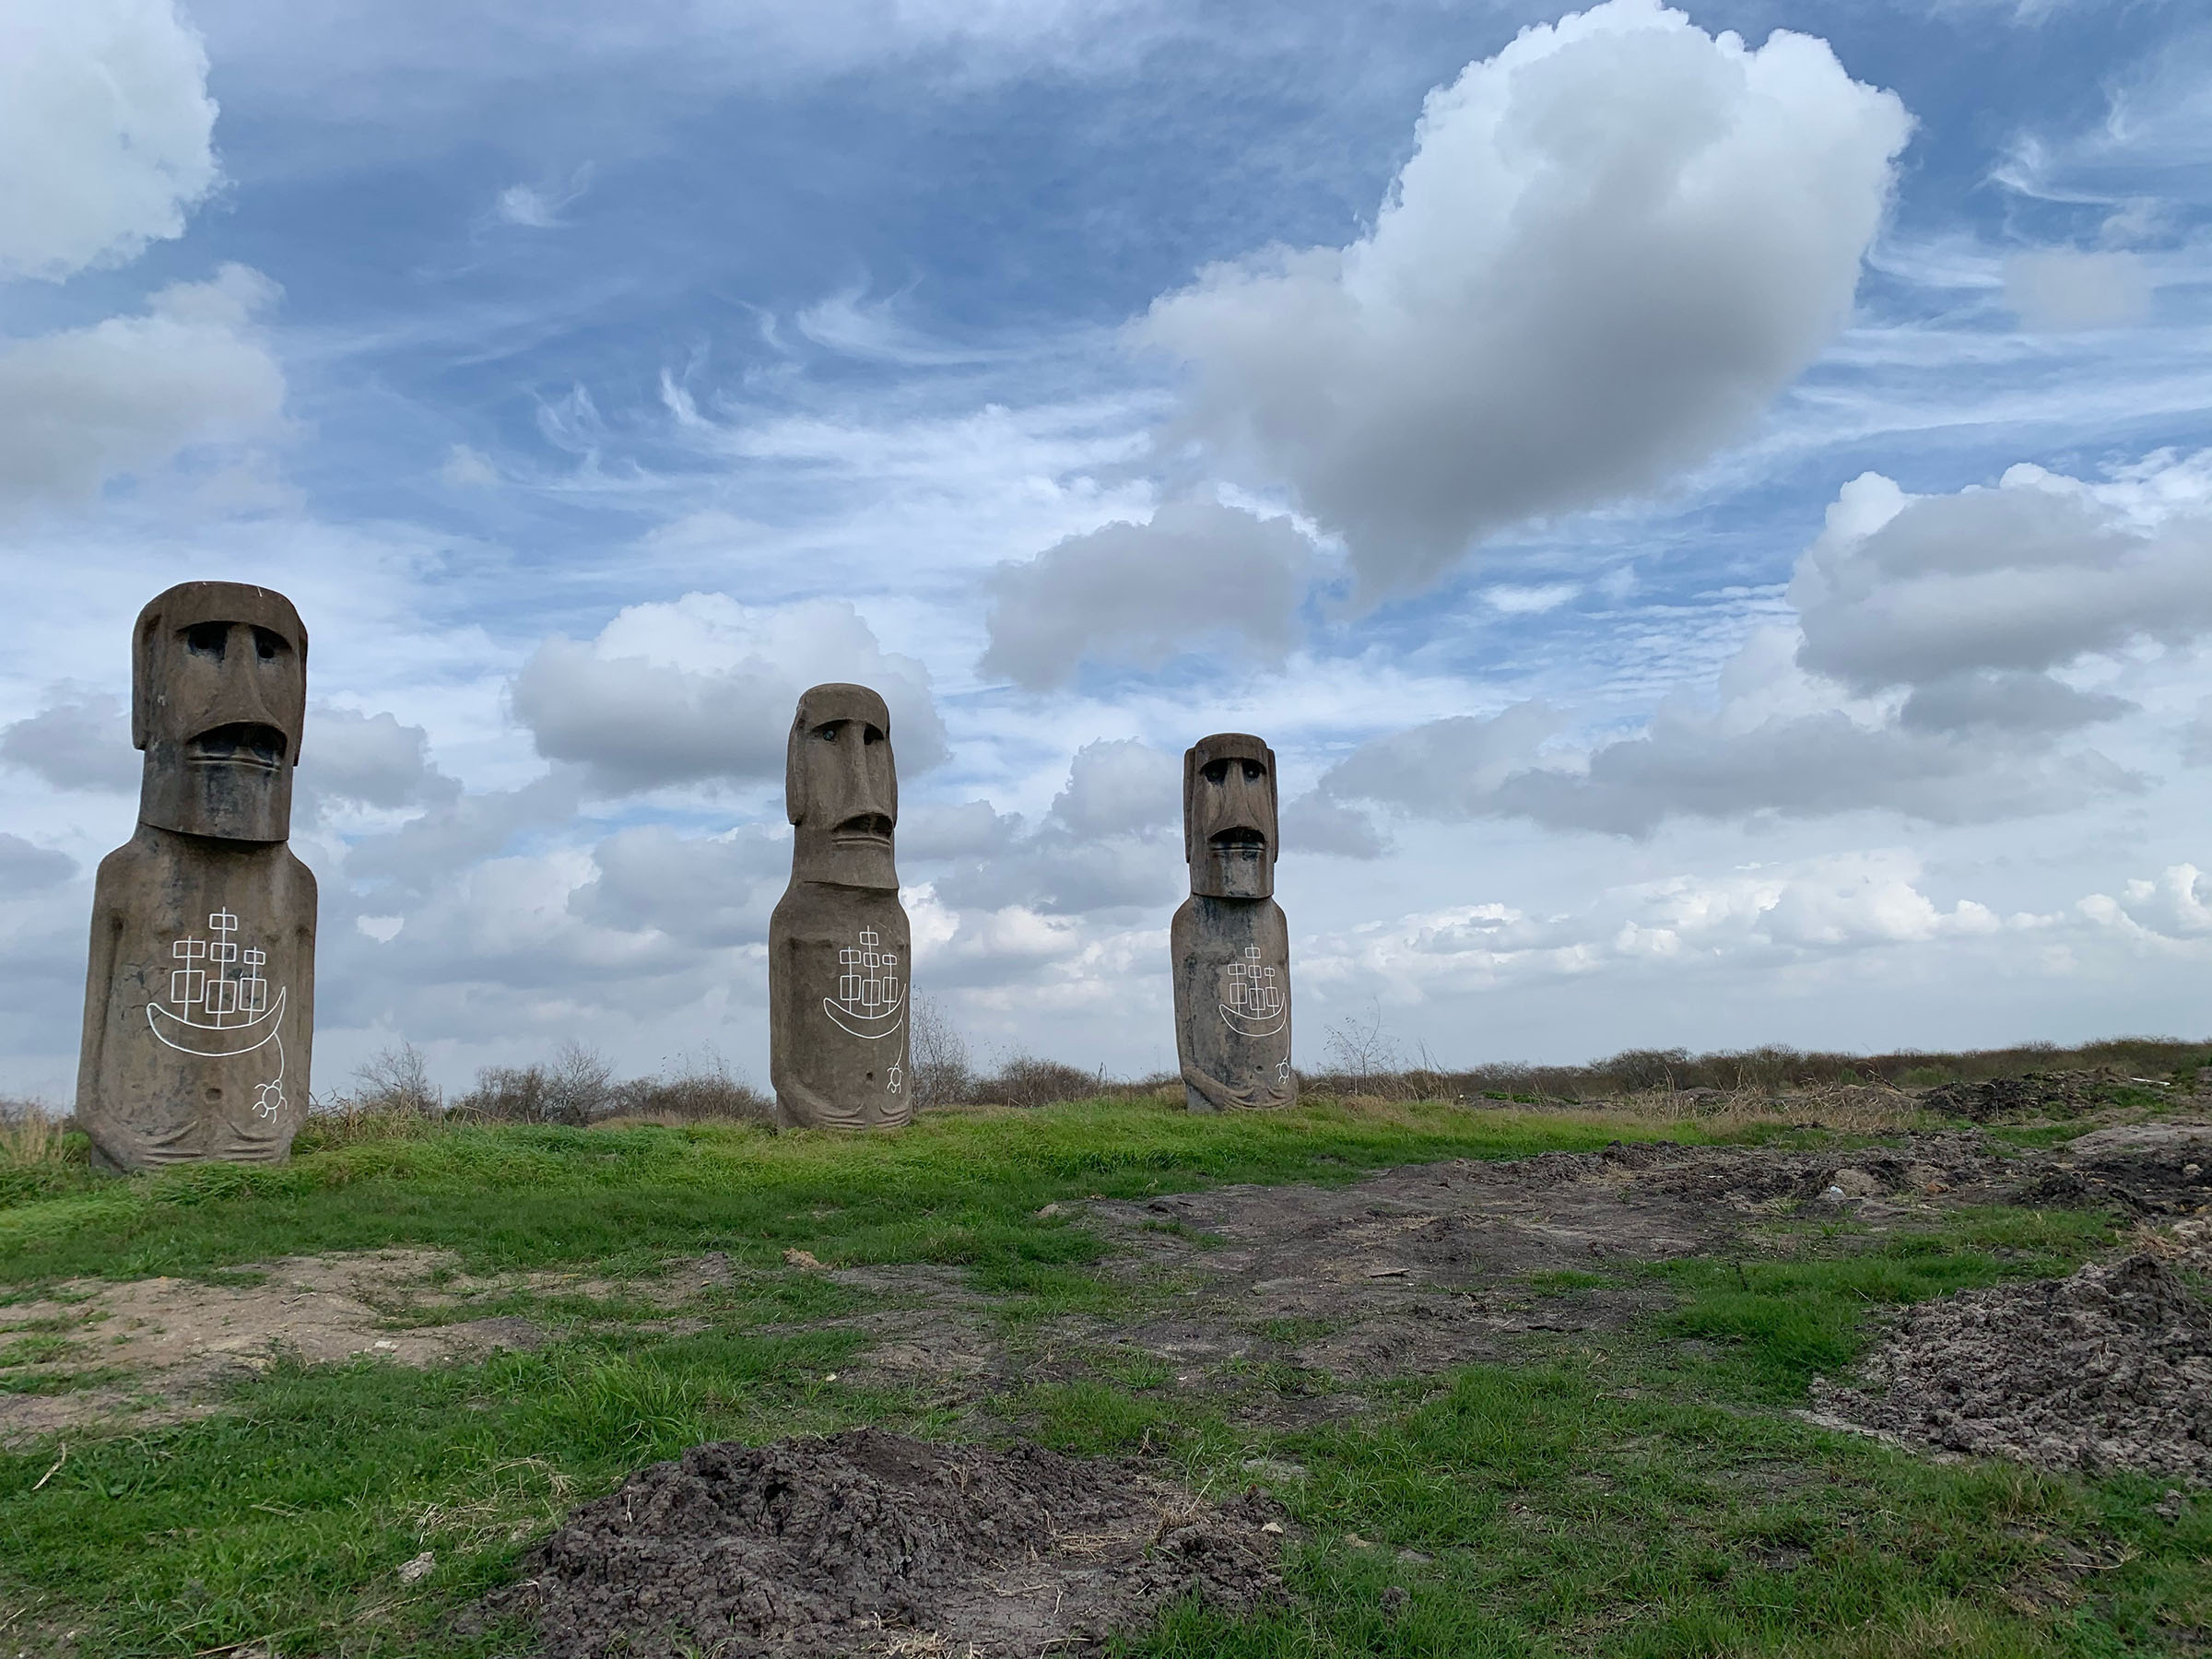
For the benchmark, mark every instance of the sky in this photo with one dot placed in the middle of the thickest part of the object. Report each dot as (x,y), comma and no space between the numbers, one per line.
(1712,510)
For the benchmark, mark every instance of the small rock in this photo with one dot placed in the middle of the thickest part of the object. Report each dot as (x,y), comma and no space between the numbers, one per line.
(1354,1541)
(1271,1526)
(806,1259)
(1857,1184)
(1835,1194)
(416,1571)
(1275,1468)
(1395,1597)
(384,1346)
(1049,1211)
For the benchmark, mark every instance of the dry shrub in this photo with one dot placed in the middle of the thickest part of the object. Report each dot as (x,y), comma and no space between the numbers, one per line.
(31,1132)
(1025,1081)
(691,1090)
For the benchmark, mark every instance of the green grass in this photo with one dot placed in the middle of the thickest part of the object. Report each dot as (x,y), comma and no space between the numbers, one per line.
(1635,1492)
(958,1187)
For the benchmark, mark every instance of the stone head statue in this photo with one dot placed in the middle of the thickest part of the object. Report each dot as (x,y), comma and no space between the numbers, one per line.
(841,788)
(218,695)
(1229,821)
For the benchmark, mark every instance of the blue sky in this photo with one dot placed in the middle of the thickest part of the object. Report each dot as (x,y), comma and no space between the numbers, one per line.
(1479,416)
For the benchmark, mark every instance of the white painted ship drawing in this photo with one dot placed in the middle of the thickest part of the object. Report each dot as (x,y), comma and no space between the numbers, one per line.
(870,1002)
(1256,1007)
(221,1005)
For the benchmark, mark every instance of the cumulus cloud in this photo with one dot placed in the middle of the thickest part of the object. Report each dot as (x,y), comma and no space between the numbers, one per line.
(131,393)
(703,689)
(1111,839)
(105,132)
(25,867)
(370,758)
(77,740)
(1615,243)
(1141,593)
(1926,674)
(2055,289)
(2027,577)
(1778,914)
(708,891)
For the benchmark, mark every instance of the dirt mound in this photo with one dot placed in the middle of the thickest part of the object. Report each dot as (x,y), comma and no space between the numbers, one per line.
(873,1543)
(2061,1094)
(2110,1369)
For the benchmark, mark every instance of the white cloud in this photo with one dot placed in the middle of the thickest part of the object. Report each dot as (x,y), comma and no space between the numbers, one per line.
(2061,288)
(25,867)
(1512,601)
(1197,573)
(1615,243)
(370,758)
(105,129)
(131,393)
(1926,674)
(467,468)
(703,689)
(79,739)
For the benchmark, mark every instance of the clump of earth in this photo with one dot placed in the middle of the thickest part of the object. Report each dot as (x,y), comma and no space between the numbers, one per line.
(2108,1369)
(873,1543)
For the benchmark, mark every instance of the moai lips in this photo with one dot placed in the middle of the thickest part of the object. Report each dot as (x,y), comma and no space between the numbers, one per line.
(1229,944)
(838,944)
(199,990)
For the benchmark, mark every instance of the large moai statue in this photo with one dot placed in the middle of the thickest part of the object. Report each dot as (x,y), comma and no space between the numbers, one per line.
(200,994)
(1229,944)
(838,945)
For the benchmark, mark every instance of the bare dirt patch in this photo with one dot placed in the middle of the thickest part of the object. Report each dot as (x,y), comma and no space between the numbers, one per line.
(93,1349)
(2108,1368)
(871,1543)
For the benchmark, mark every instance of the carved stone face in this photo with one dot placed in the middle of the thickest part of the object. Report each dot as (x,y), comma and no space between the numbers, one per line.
(1229,832)
(218,696)
(841,788)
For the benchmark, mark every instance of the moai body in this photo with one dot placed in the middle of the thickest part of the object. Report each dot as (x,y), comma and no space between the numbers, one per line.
(838,945)
(1229,944)
(200,990)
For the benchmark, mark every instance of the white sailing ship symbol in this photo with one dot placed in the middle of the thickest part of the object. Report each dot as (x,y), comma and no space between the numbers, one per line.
(220,1004)
(870,1002)
(1256,1006)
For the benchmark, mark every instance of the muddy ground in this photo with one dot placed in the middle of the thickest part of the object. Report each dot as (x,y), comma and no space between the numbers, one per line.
(872,1542)
(1319,1289)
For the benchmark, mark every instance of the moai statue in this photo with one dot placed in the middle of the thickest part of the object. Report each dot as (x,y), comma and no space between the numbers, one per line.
(200,995)
(1229,944)
(838,945)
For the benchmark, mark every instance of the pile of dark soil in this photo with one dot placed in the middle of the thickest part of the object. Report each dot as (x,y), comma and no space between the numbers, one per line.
(870,1543)
(2063,1094)
(2149,1169)
(2110,1369)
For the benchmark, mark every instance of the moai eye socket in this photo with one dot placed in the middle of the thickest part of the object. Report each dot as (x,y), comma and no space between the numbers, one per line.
(828,734)
(1254,771)
(268,646)
(207,639)
(870,734)
(1216,771)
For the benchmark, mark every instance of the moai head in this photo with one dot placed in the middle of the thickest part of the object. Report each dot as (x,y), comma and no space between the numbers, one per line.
(1228,831)
(841,788)
(218,695)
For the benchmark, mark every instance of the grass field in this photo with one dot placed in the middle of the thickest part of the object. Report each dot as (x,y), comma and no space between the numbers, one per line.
(1641,1490)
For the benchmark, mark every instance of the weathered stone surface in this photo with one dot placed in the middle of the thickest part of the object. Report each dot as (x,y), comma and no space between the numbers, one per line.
(199,990)
(1229,944)
(839,945)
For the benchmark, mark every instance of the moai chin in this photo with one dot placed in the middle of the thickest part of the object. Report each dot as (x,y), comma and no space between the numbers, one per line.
(838,945)
(200,992)
(1229,944)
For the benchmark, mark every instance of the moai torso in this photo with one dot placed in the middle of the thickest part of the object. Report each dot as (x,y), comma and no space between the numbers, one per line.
(199,1004)
(200,983)
(1233,1003)
(1229,944)
(837,990)
(838,945)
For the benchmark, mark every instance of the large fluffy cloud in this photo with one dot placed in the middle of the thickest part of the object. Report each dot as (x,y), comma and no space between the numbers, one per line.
(703,689)
(1615,243)
(1928,674)
(105,129)
(131,393)
(1197,571)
